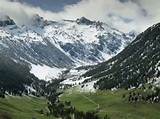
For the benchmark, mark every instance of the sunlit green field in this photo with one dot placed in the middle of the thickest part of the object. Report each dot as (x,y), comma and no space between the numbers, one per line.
(106,102)
(112,104)
(23,107)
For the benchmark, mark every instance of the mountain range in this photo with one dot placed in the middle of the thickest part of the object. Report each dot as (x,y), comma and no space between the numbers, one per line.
(88,54)
(137,65)
(53,46)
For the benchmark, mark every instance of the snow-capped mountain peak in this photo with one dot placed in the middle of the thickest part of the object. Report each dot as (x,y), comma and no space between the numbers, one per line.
(5,20)
(84,20)
(62,44)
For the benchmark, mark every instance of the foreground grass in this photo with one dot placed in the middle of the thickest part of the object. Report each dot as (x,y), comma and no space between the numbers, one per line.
(23,107)
(106,102)
(113,104)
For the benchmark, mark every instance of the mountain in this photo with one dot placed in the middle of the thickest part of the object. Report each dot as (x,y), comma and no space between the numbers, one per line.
(15,78)
(136,65)
(49,47)
(5,20)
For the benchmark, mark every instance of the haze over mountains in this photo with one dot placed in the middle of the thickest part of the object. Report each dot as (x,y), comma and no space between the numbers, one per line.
(125,15)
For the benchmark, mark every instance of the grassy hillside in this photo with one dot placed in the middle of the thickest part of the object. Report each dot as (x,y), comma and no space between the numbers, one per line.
(23,108)
(113,104)
(106,102)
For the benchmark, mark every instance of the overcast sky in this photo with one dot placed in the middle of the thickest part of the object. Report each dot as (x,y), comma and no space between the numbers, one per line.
(125,15)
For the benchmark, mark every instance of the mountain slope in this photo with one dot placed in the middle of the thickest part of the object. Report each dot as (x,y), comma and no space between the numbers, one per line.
(137,64)
(15,78)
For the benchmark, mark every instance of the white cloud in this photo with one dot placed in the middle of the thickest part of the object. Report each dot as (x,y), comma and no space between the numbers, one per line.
(22,13)
(99,10)
(94,10)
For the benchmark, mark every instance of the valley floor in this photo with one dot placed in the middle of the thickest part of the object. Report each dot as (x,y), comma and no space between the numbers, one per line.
(105,102)
(112,104)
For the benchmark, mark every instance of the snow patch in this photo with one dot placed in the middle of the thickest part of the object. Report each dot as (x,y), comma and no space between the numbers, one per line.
(45,72)
(30,89)
(74,79)
(88,87)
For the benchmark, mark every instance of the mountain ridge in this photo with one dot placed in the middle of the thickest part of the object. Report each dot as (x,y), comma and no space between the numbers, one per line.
(62,44)
(136,65)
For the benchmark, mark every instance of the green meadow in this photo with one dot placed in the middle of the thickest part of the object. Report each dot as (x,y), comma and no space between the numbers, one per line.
(23,108)
(112,104)
(105,102)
